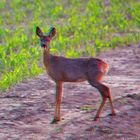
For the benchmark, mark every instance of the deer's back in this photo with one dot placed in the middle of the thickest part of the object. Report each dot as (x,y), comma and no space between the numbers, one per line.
(73,70)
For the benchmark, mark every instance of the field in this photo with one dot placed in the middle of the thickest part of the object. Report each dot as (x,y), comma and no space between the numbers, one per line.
(27,109)
(106,29)
(84,28)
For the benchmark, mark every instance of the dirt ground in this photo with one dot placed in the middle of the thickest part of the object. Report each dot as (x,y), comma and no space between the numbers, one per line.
(27,109)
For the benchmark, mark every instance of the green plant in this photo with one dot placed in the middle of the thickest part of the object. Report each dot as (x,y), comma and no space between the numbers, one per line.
(84,28)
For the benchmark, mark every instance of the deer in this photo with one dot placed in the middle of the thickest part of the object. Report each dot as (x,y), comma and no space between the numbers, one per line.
(61,69)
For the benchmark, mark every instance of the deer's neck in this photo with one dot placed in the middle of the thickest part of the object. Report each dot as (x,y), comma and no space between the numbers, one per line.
(46,57)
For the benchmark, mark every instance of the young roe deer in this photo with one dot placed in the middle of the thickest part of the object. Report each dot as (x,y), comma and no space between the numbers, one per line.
(62,69)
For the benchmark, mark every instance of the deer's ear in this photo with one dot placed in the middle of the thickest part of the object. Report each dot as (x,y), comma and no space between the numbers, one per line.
(52,32)
(39,32)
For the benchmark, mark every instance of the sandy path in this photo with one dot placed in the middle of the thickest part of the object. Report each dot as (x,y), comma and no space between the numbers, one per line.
(27,109)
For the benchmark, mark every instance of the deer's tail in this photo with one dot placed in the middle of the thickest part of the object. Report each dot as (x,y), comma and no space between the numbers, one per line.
(106,67)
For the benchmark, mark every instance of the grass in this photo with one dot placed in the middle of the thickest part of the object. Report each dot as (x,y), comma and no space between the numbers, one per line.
(84,28)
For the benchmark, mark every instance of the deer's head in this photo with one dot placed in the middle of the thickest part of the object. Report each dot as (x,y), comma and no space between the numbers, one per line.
(45,39)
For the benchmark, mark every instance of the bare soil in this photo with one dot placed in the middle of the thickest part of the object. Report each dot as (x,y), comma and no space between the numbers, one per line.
(27,109)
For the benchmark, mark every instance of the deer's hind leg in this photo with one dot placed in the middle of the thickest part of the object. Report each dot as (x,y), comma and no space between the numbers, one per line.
(104,91)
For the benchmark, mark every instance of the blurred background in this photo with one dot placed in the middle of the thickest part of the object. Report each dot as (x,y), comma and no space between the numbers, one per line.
(84,28)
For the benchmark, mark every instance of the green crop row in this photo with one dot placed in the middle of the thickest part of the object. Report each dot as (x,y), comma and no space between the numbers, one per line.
(84,28)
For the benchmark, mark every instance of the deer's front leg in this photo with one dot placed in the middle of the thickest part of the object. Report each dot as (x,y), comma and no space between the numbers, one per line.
(58,97)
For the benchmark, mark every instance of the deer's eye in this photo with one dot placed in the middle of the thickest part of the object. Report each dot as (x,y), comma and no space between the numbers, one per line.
(42,39)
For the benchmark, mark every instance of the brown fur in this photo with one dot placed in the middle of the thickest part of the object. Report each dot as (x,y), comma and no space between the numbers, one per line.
(62,69)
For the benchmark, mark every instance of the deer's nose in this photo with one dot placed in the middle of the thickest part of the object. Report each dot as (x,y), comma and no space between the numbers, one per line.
(43,45)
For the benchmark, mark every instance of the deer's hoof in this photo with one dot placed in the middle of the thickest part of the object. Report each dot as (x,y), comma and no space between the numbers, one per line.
(55,121)
(112,114)
(96,118)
